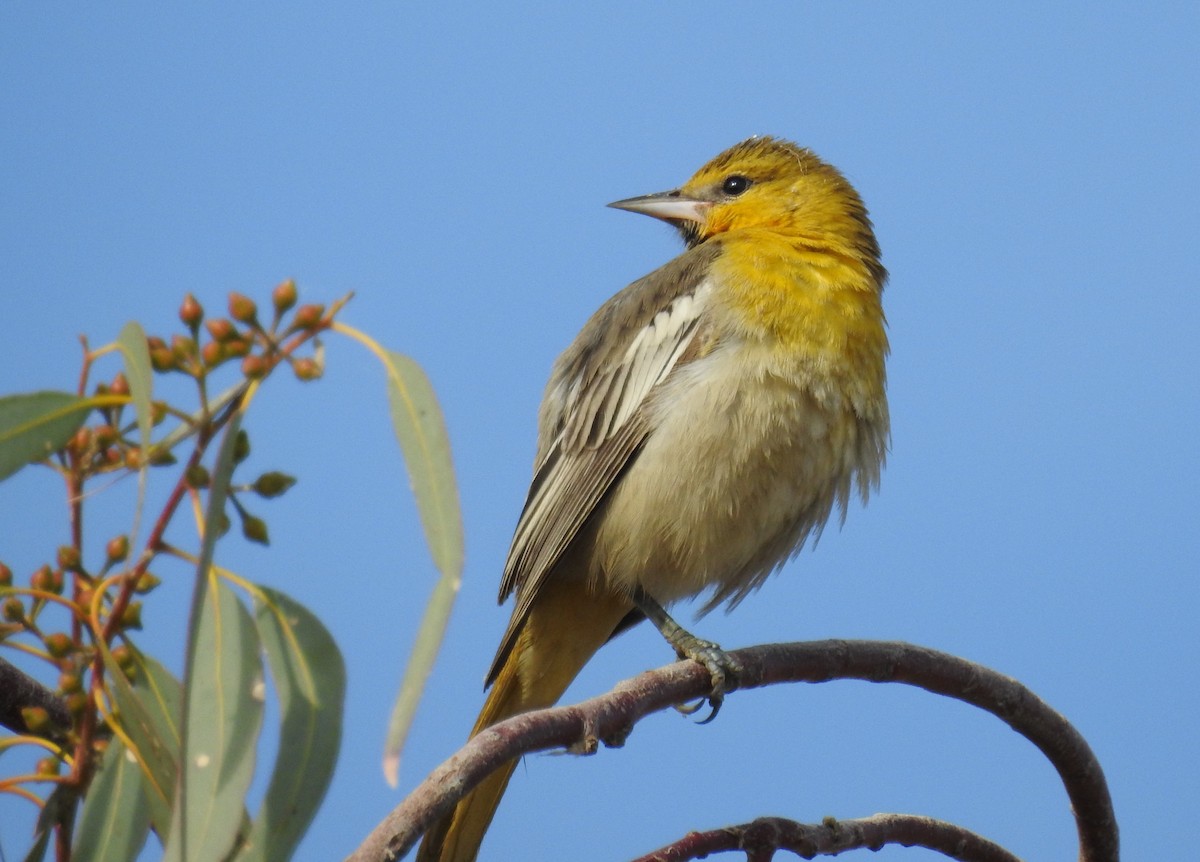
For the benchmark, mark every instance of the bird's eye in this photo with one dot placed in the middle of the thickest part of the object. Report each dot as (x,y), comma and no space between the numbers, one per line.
(735,185)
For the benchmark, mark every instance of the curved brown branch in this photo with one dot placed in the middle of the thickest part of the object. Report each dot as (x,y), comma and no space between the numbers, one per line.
(761,838)
(610,718)
(18,690)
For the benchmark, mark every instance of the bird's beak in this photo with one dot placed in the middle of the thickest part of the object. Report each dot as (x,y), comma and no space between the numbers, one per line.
(672,206)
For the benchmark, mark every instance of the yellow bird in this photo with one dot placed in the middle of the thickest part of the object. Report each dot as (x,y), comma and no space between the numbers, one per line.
(705,422)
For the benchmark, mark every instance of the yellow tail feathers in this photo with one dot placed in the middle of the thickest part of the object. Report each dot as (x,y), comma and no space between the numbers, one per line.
(564,628)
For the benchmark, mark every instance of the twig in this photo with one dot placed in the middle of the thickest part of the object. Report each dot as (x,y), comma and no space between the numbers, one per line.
(18,690)
(761,838)
(610,718)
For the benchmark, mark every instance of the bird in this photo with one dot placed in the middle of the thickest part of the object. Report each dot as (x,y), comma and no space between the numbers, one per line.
(703,427)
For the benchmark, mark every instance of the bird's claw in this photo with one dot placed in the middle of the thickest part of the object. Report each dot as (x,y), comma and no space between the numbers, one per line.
(722,668)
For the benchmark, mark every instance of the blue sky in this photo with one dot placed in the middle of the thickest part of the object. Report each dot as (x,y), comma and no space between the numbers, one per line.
(1032,175)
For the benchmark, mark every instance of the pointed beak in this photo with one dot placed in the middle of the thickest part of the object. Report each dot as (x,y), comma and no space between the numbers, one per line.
(673,206)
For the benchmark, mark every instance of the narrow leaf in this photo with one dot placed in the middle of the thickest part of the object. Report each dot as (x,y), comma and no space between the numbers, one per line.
(36,424)
(221,651)
(132,344)
(162,695)
(55,808)
(310,678)
(223,715)
(148,718)
(421,430)
(425,650)
(115,820)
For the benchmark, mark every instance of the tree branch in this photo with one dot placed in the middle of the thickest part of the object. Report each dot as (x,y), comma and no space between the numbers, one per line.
(610,718)
(18,690)
(760,839)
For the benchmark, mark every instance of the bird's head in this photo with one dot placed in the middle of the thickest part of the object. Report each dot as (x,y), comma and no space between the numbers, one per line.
(764,183)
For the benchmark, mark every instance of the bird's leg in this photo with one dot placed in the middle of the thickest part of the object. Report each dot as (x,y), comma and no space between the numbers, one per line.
(721,666)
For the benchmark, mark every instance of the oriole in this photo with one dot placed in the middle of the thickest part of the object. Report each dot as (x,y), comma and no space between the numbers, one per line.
(704,423)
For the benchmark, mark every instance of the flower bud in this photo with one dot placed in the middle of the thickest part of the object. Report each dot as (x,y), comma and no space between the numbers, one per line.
(117,548)
(255,529)
(241,446)
(5,576)
(221,524)
(306,369)
(255,367)
(237,347)
(307,316)
(273,484)
(47,580)
(119,386)
(84,600)
(81,441)
(221,329)
(105,435)
(284,296)
(131,617)
(147,582)
(242,308)
(36,718)
(59,645)
(182,348)
(198,476)
(76,703)
(68,558)
(123,656)
(162,458)
(213,354)
(14,610)
(191,312)
(162,360)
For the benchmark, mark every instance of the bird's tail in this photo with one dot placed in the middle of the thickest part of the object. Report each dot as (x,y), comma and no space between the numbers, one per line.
(564,628)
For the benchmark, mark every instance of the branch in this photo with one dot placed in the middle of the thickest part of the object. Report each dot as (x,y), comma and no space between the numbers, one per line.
(761,838)
(18,690)
(610,718)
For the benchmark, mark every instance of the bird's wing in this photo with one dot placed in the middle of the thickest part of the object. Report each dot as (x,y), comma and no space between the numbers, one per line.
(593,419)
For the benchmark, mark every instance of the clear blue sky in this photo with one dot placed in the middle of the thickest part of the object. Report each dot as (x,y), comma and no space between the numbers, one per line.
(1032,173)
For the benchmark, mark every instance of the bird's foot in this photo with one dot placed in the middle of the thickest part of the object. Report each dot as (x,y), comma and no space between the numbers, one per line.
(722,667)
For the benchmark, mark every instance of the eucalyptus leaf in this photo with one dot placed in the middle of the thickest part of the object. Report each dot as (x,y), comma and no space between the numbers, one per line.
(149,721)
(224,693)
(139,376)
(36,424)
(310,679)
(115,820)
(421,430)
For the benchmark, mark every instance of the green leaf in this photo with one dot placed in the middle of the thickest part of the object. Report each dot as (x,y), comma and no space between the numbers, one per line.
(421,430)
(149,716)
(132,343)
(223,673)
(162,695)
(115,820)
(420,663)
(139,375)
(223,696)
(58,803)
(36,424)
(310,679)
